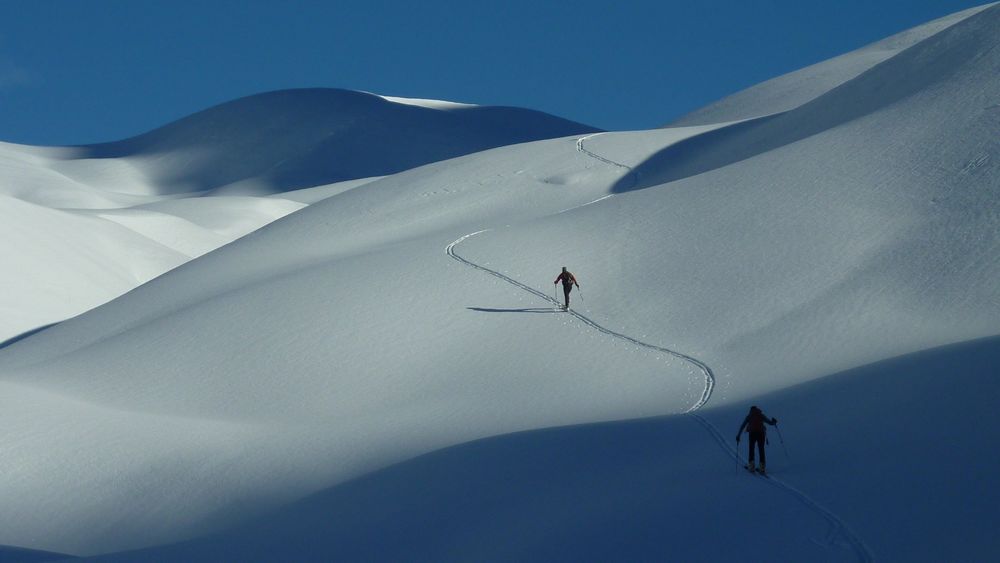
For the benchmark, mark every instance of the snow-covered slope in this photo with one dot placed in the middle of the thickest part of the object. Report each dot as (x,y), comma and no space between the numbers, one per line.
(83,225)
(796,88)
(292,139)
(851,482)
(378,375)
(70,244)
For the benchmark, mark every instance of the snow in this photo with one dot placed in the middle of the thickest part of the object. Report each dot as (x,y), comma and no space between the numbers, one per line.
(260,158)
(796,88)
(382,373)
(69,245)
(423,102)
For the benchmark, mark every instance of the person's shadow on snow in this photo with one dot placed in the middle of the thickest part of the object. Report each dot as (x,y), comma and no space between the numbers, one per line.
(528,310)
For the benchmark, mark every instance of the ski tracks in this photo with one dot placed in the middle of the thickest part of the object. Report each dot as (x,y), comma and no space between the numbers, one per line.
(836,526)
(633,174)
(583,149)
(709,377)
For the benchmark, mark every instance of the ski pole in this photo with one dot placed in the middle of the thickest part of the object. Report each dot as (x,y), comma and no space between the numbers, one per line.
(580,291)
(738,457)
(782,440)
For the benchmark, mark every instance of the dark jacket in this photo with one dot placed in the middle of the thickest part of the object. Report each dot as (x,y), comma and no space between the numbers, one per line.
(755,421)
(567,278)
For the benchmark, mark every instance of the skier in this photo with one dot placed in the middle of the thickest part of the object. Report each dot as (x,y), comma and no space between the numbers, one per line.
(568,281)
(754,423)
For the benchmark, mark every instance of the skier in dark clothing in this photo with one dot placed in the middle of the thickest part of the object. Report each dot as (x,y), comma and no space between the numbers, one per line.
(754,423)
(568,281)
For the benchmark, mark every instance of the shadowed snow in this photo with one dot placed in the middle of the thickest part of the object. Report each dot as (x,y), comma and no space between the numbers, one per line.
(338,385)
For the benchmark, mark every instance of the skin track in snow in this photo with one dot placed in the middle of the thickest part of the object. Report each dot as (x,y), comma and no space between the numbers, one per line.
(838,529)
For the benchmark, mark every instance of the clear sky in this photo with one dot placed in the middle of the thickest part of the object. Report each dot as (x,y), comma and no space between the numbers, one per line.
(74,72)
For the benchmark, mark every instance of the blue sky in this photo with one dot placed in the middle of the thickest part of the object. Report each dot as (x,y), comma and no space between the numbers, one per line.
(80,72)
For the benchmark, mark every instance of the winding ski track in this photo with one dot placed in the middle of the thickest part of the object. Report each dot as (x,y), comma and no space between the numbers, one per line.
(706,393)
(709,377)
(837,527)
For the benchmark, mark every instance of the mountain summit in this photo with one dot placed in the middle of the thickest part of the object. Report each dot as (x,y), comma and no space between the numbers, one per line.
(293,139)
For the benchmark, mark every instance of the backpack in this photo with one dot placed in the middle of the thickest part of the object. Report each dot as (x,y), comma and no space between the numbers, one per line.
(756,421)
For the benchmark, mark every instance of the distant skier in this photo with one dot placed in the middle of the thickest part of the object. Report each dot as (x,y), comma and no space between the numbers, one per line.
(568,280)
(754,423)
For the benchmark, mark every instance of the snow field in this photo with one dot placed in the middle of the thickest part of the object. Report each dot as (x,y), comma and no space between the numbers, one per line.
(344,387)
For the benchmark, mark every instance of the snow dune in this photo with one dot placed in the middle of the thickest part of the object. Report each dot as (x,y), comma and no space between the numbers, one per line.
(362,379)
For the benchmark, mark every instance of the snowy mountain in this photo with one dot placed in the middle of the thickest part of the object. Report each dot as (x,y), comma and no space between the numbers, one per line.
(384,374)
(796,88)
(293,139)
(130,210)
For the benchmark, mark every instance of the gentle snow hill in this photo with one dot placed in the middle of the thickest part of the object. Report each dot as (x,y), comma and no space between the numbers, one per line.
(291,139)
(69,245)
(874,237)
(660,489)
(298,374)
(796,88)
(928,68)
(130,210)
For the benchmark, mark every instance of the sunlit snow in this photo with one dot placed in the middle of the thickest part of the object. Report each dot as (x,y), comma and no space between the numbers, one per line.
(322,341)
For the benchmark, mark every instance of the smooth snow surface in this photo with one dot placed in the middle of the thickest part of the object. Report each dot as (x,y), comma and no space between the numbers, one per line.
(83,225)
(423,102)
(384,374)
(796,88)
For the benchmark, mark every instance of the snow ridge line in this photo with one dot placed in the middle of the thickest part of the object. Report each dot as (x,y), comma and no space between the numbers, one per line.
(837,526)
(706,393)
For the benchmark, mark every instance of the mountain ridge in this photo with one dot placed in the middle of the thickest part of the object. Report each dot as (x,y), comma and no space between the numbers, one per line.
(301,138)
